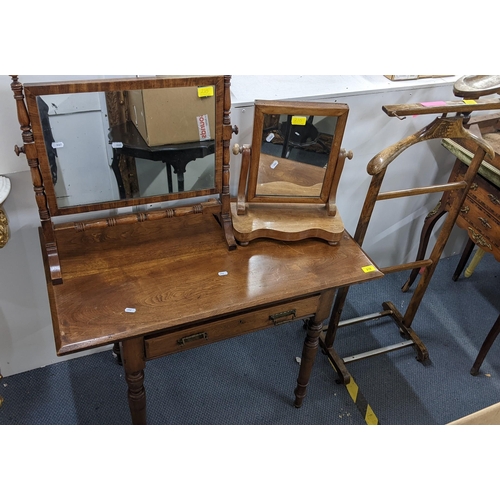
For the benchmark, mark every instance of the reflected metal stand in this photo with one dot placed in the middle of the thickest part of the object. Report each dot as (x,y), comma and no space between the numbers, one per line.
(127,141)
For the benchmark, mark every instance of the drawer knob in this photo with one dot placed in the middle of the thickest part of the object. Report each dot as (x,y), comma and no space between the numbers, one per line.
(283,317)
(485,222)
(192,338)
(465,209)
(494,199)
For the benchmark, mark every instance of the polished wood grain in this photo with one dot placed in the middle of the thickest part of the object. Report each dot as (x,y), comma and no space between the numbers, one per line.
(479,213)
(168,271)
(290,223)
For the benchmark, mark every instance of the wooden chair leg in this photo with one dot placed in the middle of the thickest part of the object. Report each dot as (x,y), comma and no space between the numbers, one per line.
(474,262)
(463,260)
(488,342)
(430,222)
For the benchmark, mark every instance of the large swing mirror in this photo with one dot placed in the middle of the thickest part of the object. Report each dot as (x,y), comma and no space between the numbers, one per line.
(289,175)
(101,145)
(115,143)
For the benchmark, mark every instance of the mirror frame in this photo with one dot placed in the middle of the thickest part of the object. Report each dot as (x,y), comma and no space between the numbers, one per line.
(263,108)
(36,155)
(34,90)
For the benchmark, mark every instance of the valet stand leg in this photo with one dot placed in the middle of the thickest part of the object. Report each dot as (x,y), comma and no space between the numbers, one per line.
(134,363)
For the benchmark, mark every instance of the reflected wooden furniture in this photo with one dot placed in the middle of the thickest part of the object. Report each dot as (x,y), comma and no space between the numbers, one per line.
(157,294)
(293,178)
(128,141)
(442,127)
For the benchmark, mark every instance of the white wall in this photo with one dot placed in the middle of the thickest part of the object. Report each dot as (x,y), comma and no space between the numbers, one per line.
(394,231)
(26,340)
(26,337)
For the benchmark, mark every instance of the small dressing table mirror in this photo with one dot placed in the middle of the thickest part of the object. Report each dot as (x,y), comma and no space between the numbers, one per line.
(289,175)
(154,147)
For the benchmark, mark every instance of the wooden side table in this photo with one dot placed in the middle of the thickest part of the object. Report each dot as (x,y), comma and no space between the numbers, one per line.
(166,286)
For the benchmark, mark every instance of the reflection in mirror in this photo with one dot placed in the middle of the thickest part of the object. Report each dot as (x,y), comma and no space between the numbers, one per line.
(110,146)
(294,155)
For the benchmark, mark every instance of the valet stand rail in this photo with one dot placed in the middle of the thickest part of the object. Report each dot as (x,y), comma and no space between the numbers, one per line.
(441,127)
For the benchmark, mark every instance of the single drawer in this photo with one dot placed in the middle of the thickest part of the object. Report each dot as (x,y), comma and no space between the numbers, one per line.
(180,340)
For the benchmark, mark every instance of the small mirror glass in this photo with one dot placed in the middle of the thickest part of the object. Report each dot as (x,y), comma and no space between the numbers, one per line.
(294,154)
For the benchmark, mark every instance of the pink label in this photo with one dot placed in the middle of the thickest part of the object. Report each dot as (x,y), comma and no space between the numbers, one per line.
(203,127)
(433,104)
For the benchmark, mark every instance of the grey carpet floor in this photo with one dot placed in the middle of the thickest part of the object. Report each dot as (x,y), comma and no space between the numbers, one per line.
(250,380)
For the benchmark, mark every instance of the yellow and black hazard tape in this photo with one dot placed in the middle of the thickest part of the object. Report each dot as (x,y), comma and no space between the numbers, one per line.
(360,402)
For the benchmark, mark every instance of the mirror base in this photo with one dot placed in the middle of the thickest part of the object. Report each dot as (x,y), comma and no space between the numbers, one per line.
(283,222)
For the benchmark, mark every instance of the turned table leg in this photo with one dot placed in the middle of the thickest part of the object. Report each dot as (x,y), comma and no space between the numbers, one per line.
(309,351)
(134,363)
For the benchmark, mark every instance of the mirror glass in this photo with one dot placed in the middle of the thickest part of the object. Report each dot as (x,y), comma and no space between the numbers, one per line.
(113,146)
(295,151)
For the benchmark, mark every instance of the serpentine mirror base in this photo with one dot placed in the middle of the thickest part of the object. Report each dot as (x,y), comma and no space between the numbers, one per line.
(291,223)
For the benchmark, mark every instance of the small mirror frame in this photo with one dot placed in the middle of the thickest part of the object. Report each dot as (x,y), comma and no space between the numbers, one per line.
(263,108)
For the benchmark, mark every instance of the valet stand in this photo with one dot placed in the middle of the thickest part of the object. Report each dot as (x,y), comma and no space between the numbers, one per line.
(441,127)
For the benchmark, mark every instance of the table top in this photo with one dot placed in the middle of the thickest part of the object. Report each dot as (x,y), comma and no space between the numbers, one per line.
(131,280)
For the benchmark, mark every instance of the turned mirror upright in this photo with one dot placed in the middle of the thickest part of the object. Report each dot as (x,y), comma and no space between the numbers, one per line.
(159,146)
(289,175)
